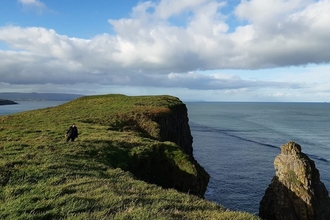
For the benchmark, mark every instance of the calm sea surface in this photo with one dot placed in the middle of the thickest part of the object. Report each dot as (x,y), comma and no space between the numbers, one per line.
(237,143)
(27,105)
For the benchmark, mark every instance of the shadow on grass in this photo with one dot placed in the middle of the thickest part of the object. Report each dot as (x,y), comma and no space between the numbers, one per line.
(151,164)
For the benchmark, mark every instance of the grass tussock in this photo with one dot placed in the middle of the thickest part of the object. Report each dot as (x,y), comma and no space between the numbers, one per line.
(95,177)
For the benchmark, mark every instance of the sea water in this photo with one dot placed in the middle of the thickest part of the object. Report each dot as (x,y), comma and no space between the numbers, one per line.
(237,143)
(27,105)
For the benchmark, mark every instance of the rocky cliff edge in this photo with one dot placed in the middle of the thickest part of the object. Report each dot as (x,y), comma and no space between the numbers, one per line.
(160,118)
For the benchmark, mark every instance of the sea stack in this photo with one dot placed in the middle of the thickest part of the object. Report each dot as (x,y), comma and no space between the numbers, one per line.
(296,192)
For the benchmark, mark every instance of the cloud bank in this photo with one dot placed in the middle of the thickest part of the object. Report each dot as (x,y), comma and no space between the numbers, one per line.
(171,43)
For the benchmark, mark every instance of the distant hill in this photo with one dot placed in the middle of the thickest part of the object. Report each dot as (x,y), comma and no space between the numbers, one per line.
(17,96)
(7,102)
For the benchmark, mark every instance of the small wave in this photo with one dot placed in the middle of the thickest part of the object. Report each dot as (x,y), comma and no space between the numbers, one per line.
(252,141)
(323,159)
(315,157)
(203,128)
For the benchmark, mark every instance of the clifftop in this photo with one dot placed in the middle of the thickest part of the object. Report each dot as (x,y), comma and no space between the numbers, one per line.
(296,192)
(131,155)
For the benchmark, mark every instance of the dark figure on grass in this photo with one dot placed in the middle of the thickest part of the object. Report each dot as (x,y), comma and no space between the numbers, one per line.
(72,133)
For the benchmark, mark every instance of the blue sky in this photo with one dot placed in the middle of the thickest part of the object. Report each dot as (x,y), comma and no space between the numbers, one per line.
(274,50)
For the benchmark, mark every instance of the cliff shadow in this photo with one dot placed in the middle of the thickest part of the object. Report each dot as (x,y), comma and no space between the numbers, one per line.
(152,165)
(132,125)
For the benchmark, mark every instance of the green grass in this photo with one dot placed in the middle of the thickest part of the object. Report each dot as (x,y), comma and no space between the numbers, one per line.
(99,176)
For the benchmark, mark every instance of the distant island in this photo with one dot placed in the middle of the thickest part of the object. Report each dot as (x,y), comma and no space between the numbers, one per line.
(19,96)
(7,102)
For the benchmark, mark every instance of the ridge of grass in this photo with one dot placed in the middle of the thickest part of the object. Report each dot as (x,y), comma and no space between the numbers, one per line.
(42,177)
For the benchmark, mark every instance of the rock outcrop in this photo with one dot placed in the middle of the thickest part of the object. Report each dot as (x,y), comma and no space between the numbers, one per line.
(296,192)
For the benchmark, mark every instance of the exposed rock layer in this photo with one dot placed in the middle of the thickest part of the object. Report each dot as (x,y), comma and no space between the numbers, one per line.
(168,122)
(296,192)
(175,128)
(157,169)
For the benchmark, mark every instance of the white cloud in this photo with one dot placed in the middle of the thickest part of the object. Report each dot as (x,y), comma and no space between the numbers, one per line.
(269,12)
(280,33)
(168,8)
(148,49)
(33,3)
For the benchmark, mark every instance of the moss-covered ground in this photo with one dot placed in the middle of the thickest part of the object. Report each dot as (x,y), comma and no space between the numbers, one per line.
(43,177)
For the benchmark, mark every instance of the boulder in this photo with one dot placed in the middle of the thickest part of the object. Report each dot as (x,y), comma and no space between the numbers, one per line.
(296,192)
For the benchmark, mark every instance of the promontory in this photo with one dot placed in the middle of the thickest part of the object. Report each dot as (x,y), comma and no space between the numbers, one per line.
(133,159)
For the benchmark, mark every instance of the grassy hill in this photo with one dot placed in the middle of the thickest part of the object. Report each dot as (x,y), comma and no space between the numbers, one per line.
(43,177)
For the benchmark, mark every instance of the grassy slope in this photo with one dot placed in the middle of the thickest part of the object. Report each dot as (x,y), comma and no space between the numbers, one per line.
(42,177)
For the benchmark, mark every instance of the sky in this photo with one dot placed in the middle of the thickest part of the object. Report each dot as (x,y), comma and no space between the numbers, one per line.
(211,50)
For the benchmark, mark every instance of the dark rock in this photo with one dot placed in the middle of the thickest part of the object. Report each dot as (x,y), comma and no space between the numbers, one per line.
(174,127)
(296,192)
(7,102)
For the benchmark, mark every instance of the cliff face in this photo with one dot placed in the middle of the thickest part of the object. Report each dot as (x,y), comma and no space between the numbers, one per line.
(163,123)
(156,167)
(296,192)
(175,128)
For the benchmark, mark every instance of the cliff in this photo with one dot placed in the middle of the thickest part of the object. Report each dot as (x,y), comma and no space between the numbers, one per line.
(133,160)
(296,192)
(171,125)
(176,128)
(161,118)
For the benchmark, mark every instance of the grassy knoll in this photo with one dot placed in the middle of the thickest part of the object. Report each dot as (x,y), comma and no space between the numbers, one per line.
(42,177)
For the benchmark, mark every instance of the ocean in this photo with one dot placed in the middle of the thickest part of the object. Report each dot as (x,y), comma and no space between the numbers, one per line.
(27,105)
(237,143)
